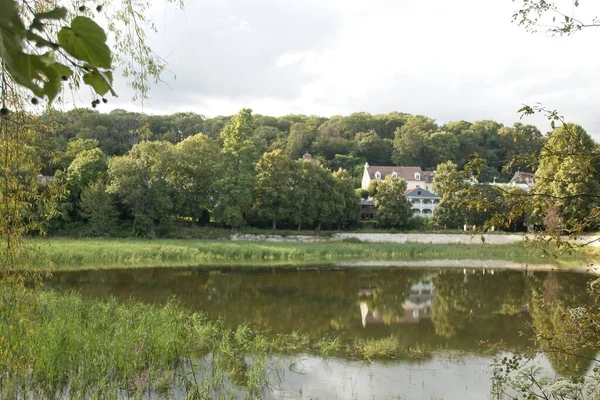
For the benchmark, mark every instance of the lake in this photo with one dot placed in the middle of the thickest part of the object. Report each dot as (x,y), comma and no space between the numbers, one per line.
(453,316)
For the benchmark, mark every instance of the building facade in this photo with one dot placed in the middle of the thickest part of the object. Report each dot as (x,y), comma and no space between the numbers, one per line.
(415,177)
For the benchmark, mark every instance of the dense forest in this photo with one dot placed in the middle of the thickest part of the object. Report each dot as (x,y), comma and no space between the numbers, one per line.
(149,171)
(338,142)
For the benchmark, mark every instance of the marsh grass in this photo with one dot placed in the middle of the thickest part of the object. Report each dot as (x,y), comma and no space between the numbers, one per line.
(60,254)
(59,345)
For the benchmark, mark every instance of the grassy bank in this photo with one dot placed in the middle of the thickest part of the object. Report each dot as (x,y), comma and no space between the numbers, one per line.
(55,345)
(62,254)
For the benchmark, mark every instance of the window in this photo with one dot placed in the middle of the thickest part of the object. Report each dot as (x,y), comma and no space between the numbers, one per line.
(419,187)
(394,175)
(417,176)
(426,187)
(377,175)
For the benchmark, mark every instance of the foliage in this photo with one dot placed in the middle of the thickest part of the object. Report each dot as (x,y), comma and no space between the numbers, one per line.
(567,179)
(393,208)
(238,156)
(274,186)
(98,207)
(136,253)
(194,176)
(140,179)
(535,14)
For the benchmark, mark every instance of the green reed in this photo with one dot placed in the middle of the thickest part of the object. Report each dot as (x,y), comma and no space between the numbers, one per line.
(62,254)
(55,345)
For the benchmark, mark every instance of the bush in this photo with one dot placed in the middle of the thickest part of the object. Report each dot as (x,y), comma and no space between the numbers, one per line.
(369,224)
(418,223)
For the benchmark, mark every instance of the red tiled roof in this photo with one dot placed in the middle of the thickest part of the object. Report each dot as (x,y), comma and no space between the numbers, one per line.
(407,173)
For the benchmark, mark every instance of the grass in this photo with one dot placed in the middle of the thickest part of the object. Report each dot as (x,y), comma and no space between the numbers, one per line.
(65,254)
(55,345)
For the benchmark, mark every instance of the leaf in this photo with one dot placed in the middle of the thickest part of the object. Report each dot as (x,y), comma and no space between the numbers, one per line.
(98,82)
(55,13)
(86,41)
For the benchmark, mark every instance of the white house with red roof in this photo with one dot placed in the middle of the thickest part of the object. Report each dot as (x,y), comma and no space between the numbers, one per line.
(415,177)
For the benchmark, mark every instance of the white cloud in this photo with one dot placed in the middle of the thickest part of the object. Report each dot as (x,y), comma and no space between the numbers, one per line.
(447,60)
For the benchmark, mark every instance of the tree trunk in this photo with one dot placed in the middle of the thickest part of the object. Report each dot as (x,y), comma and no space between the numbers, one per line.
(319,226)
(152,232)
(274,223)
(299,225)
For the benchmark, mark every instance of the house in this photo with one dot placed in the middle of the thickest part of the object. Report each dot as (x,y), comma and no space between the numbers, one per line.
(522,180)
(367,208)
(424,202)
(415,177)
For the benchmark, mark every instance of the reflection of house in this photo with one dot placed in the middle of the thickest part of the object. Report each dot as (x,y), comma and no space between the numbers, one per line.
(367,208)
(415,307)
(423,201)
(415,177)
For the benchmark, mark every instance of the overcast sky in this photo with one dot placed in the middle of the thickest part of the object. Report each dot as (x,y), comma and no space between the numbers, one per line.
(448,60)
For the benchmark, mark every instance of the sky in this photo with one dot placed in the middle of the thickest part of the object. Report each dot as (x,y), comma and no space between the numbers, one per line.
(448,60)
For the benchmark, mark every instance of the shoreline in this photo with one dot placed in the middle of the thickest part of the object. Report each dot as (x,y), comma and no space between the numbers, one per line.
(471,264)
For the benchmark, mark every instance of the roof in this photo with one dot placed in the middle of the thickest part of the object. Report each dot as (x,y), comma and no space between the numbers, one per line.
(522,177)
(420,194)
(407,173)
(367,202)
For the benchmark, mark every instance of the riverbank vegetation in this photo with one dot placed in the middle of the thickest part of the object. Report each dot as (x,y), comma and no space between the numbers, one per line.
(58,344)
(59,254)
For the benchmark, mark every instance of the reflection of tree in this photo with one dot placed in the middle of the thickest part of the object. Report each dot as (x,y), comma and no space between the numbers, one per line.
(474,298)
(326,303)
(565,315)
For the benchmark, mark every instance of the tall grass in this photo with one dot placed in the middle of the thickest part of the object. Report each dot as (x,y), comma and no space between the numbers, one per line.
(55,345)
(95,253)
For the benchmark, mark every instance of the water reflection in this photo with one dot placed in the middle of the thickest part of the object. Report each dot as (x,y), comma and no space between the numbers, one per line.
(415,307)
(445,308)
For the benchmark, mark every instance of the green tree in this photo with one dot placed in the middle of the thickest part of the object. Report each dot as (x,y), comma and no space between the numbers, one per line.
(300,139)
(450,185)
(87,167)
(140,179)
(375,150)
(567,177)
(303,206)
(274,185)
(98,207)
(410,142)
(194,176)
(237,181)
(393,208)
(346,201)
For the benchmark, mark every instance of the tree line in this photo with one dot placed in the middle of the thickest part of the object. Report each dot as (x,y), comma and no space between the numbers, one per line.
(337,142)
(249,170)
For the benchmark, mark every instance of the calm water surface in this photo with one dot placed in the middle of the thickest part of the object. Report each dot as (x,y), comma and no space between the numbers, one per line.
(447,312)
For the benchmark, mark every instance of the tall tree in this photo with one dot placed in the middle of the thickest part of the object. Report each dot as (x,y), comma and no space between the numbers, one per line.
(237,168)
(346,202)
(274,184)
(568,177)
(140,179)
(194,176)
(393,208)
(98,207)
